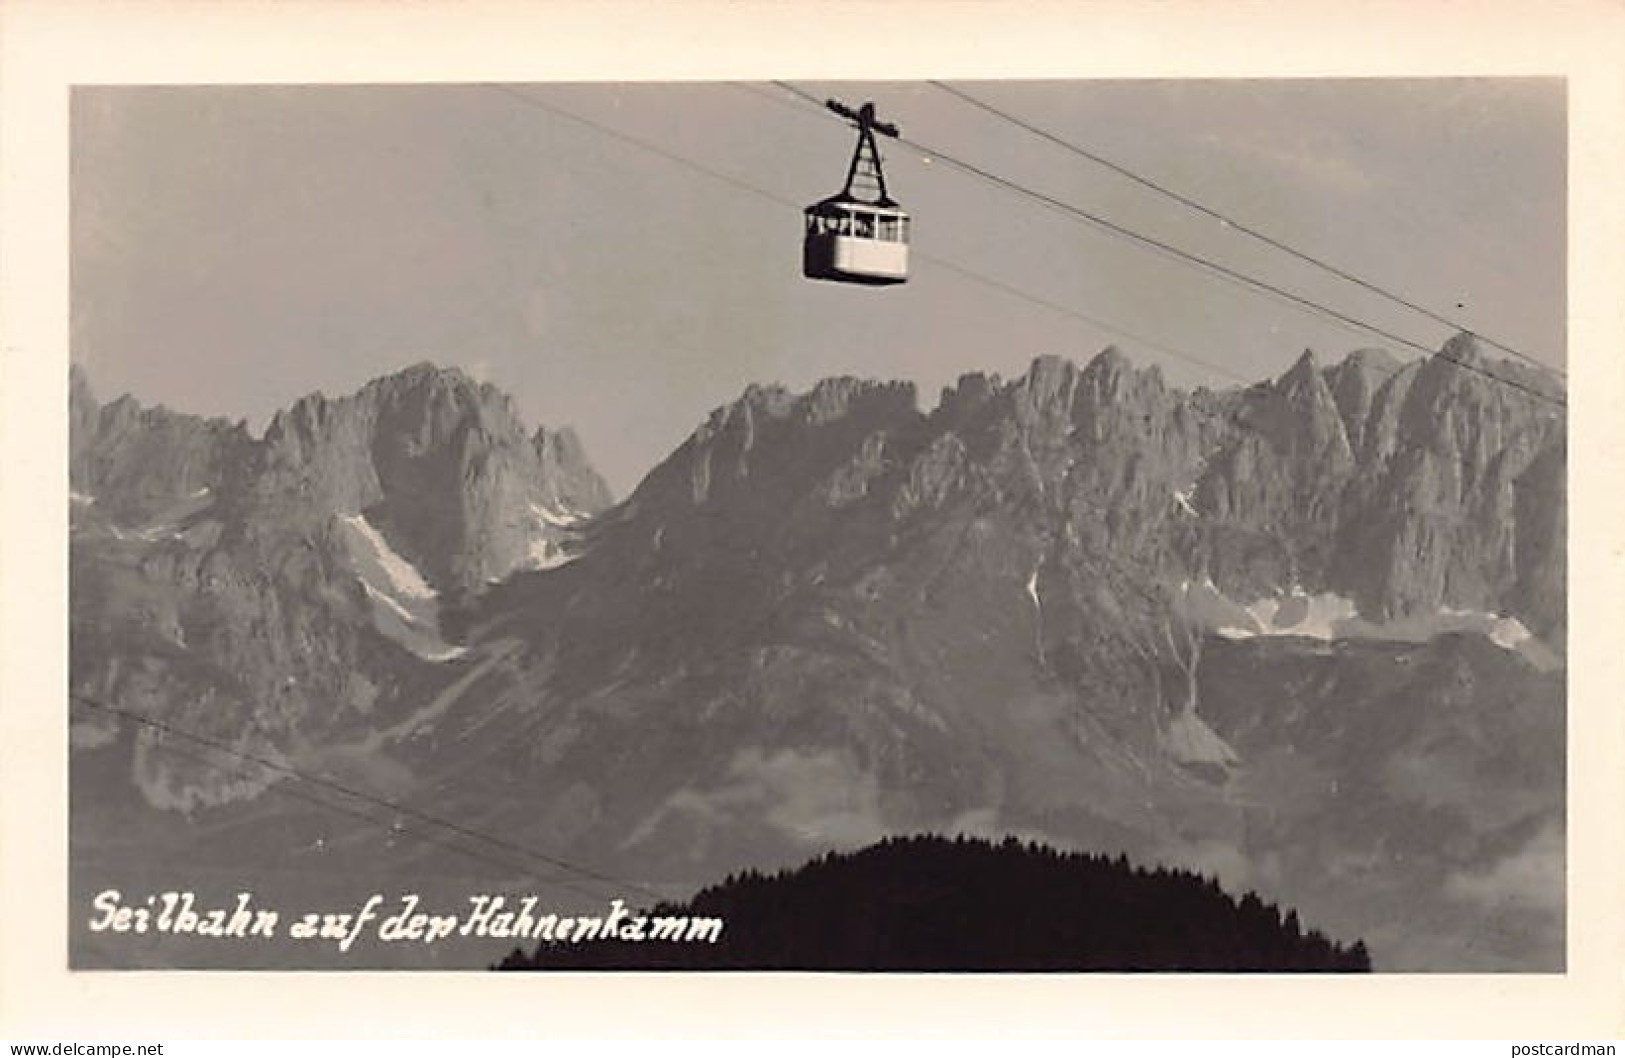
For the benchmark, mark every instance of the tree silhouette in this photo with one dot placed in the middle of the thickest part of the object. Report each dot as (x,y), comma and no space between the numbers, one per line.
(936,904)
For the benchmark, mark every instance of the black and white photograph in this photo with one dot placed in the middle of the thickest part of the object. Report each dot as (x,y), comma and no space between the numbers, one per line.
(822,527)
(873,526)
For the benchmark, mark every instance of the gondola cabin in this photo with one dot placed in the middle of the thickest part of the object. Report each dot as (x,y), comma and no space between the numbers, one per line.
(859,235)
(855,242)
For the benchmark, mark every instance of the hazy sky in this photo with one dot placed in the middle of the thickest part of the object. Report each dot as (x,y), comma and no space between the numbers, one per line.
(235,248)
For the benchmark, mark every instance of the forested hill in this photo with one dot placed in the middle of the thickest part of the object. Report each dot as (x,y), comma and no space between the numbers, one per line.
(938,904)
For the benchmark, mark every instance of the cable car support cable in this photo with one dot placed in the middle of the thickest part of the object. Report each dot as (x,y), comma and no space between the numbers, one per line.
(166,728)
(1236,225)
(243,771)
(1222,271)
(940,262)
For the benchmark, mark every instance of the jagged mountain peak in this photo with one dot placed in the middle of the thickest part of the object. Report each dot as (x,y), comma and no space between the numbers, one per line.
(442,395)
(1110,360)
(427,373)
(1372,360)
(1298,416)
(83,413)
(772,398)
(565,463)
(426,369)
(1464,348)
(1462,373)
(774,435)
(1355,383)
(968,395)
(1056,391)
(79,387)
(835,398)
(1048,371)
(138,461)
(1110,377)
(1302,375)
(440,463)
(1305,390)
(828,400)
(1045,393)
(1462,367)
(564,441)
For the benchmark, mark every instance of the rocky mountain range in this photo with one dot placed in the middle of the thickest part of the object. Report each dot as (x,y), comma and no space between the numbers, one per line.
(1306,636)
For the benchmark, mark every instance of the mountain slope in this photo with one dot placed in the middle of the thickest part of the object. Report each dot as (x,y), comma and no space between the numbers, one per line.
(1057,606)
(278,592)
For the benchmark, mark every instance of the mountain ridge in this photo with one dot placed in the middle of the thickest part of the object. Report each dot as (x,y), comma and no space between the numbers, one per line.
(830,616)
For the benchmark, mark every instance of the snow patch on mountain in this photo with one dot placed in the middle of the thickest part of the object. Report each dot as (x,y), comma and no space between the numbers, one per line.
(404,607)
(554,536)
(383,562)
(1318,616)
(562,518)
(546,554)
(1327,616)
(1508,632)
(1206,606)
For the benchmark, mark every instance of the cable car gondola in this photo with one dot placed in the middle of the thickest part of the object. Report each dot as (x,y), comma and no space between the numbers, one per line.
(851,238)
